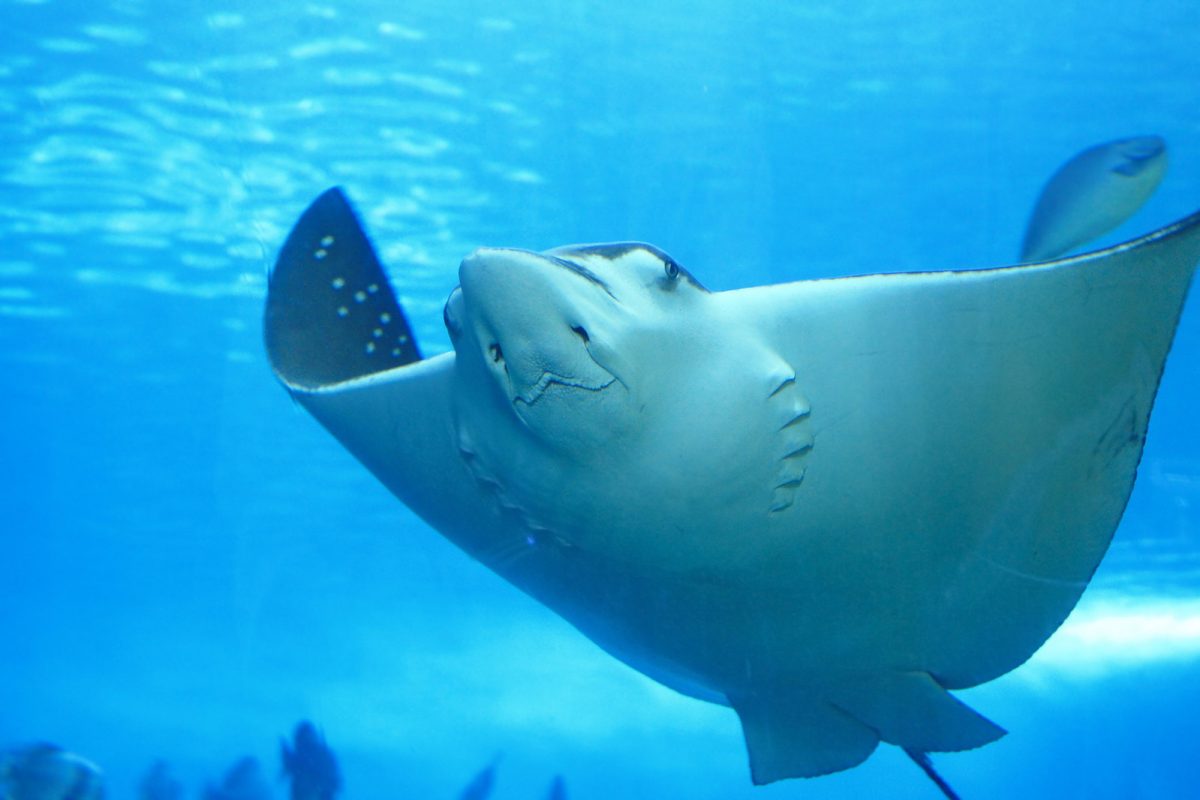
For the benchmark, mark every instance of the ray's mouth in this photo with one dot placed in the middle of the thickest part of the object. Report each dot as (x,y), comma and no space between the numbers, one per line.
(529,392)
(549,380)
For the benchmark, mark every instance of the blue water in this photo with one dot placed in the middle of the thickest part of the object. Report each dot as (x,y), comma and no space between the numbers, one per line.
(190,564)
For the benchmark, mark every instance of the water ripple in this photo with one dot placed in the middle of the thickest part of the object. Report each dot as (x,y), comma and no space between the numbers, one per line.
(321,48)
(427,84)
(397,31)
(181,169)
(33,311)
(116,34)
(66,46)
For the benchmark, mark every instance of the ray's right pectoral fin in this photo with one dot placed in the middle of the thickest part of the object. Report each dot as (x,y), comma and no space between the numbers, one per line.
(797,735)
(331,314)
(791,734)
(338,339)
(398,425)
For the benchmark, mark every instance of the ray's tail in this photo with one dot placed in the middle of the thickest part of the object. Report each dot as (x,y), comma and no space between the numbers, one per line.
(923,761)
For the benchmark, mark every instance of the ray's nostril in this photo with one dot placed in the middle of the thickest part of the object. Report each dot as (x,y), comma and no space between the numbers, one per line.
(581,332)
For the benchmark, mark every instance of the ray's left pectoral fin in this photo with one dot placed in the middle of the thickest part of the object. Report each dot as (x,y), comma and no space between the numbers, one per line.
(912,710)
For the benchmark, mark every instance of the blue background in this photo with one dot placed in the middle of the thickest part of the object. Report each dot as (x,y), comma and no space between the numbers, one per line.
(188,564)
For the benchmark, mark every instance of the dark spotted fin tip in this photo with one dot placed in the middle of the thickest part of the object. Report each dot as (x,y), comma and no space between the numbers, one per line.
(331,314)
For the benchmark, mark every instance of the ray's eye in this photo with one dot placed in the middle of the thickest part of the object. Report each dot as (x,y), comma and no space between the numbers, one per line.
(495,352)
(671,268)
(452,314)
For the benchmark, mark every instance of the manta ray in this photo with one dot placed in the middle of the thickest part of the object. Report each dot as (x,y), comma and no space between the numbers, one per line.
(826,504)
